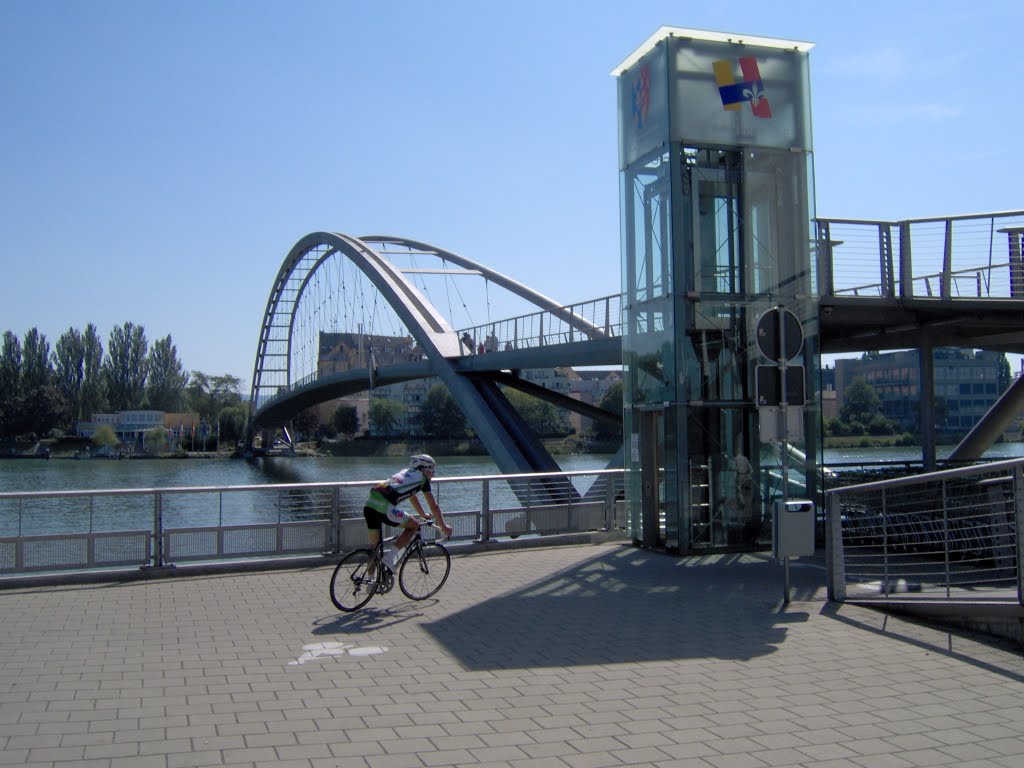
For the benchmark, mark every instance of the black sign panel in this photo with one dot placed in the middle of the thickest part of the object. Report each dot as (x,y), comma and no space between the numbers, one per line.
(776,326)
(769,385)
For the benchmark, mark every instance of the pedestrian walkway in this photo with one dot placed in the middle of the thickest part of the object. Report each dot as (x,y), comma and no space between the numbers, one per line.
(578,656)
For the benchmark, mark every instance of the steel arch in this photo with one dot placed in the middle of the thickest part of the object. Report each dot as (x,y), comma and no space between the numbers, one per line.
(423,321)
(506,282)
(505,435)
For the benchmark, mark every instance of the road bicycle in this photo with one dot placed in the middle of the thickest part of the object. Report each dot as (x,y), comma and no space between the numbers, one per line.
(422,570)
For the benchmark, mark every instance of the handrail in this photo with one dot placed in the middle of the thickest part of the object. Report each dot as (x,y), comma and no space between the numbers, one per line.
(83,530)
(951,532)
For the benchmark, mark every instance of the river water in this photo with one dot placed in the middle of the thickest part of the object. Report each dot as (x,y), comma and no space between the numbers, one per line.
(121,513)
(105,474)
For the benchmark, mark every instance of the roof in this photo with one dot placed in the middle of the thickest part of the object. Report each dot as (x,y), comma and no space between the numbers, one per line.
(703,34)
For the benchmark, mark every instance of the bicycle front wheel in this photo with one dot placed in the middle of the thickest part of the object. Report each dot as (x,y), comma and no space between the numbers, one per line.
(354,581)
(424,571)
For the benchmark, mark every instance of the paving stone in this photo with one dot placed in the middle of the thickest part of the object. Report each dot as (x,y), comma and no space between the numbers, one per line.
(588,656)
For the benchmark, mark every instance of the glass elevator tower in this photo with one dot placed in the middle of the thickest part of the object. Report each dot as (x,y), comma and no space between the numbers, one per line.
(722,413)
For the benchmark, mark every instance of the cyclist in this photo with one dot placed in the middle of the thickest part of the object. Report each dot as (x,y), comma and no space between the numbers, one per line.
(381,506)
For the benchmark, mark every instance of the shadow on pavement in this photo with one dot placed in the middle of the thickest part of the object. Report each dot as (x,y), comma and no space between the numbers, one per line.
(629,605)
(935,638)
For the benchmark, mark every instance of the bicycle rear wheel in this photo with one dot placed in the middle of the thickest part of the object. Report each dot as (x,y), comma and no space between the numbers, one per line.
(424,571)
(352,584)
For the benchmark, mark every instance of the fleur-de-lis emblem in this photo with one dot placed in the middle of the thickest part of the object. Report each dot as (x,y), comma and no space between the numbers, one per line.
(754,94)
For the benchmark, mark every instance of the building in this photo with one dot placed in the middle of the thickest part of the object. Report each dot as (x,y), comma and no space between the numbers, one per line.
(130,427)
(966,387)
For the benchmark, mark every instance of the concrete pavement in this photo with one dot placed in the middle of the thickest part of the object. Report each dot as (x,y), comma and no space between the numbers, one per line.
(578,656)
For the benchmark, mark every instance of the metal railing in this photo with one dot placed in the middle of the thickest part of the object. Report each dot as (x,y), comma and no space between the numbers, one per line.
(954,534)
(106,529)
(595,319)
(970,256)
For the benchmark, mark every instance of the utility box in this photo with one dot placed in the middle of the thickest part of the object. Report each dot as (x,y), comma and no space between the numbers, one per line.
(793,528)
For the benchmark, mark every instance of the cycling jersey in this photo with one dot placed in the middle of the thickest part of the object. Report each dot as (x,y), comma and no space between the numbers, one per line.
(400,486)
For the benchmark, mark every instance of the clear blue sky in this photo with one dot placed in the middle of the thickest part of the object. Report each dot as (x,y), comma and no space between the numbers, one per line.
(160,158)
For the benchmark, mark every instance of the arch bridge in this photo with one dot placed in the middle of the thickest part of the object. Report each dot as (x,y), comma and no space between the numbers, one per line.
(347,314)
(373,294)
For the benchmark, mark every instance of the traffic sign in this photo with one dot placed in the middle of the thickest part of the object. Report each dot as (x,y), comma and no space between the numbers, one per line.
(780,336)
(769,385)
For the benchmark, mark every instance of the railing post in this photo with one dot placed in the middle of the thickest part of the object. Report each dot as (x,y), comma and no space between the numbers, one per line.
(486,524)
(947,262)
(1018,522)
(334,534)
(906,262)
(609,503)
(945,538)
(825,257)
(158,530)
(885,546)
(835,554)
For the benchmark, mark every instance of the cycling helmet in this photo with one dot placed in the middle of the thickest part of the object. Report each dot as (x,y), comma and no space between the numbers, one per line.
(422,461)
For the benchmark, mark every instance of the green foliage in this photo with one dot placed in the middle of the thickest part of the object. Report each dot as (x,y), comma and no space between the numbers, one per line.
(306,424)
(232,420)
(543,418)
(69,372)
(30,401)
(384,415)
(860,402)
(610,401)
(166,383)
(209,395)
(93,395)
(104,436)
(125,368)
(440,415)
(345,420)
(155,439)
(1005,375)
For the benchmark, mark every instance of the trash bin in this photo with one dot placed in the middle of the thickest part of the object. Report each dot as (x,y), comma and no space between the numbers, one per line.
(793,528)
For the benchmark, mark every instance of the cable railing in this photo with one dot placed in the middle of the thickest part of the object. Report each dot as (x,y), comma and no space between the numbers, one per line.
(970,256)
(954,534)
(95,530)
(586,321)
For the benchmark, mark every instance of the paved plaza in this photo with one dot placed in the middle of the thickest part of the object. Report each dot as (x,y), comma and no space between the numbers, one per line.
(577,656)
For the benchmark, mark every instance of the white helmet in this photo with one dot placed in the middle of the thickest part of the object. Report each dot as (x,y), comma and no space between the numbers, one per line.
(422,461)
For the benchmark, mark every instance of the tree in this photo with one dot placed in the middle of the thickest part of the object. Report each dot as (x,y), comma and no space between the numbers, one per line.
(611,401)
(69,372)
(35,361)
(209,395)
(543,418)
(345,420)
(306,424)
(155,439)
(860,403)
(104,436)
(10,384)
(42,406)
(165,386)
(440,415)
(231,421)
(125,368)
(93,394)
(384,415)
(1005,374)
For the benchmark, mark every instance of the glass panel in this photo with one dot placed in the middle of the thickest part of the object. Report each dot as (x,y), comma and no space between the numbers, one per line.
(646,230)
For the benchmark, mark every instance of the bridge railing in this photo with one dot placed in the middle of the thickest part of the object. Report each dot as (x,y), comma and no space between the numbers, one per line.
(594,319)
(974,256)
(62,531)
(957,533)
